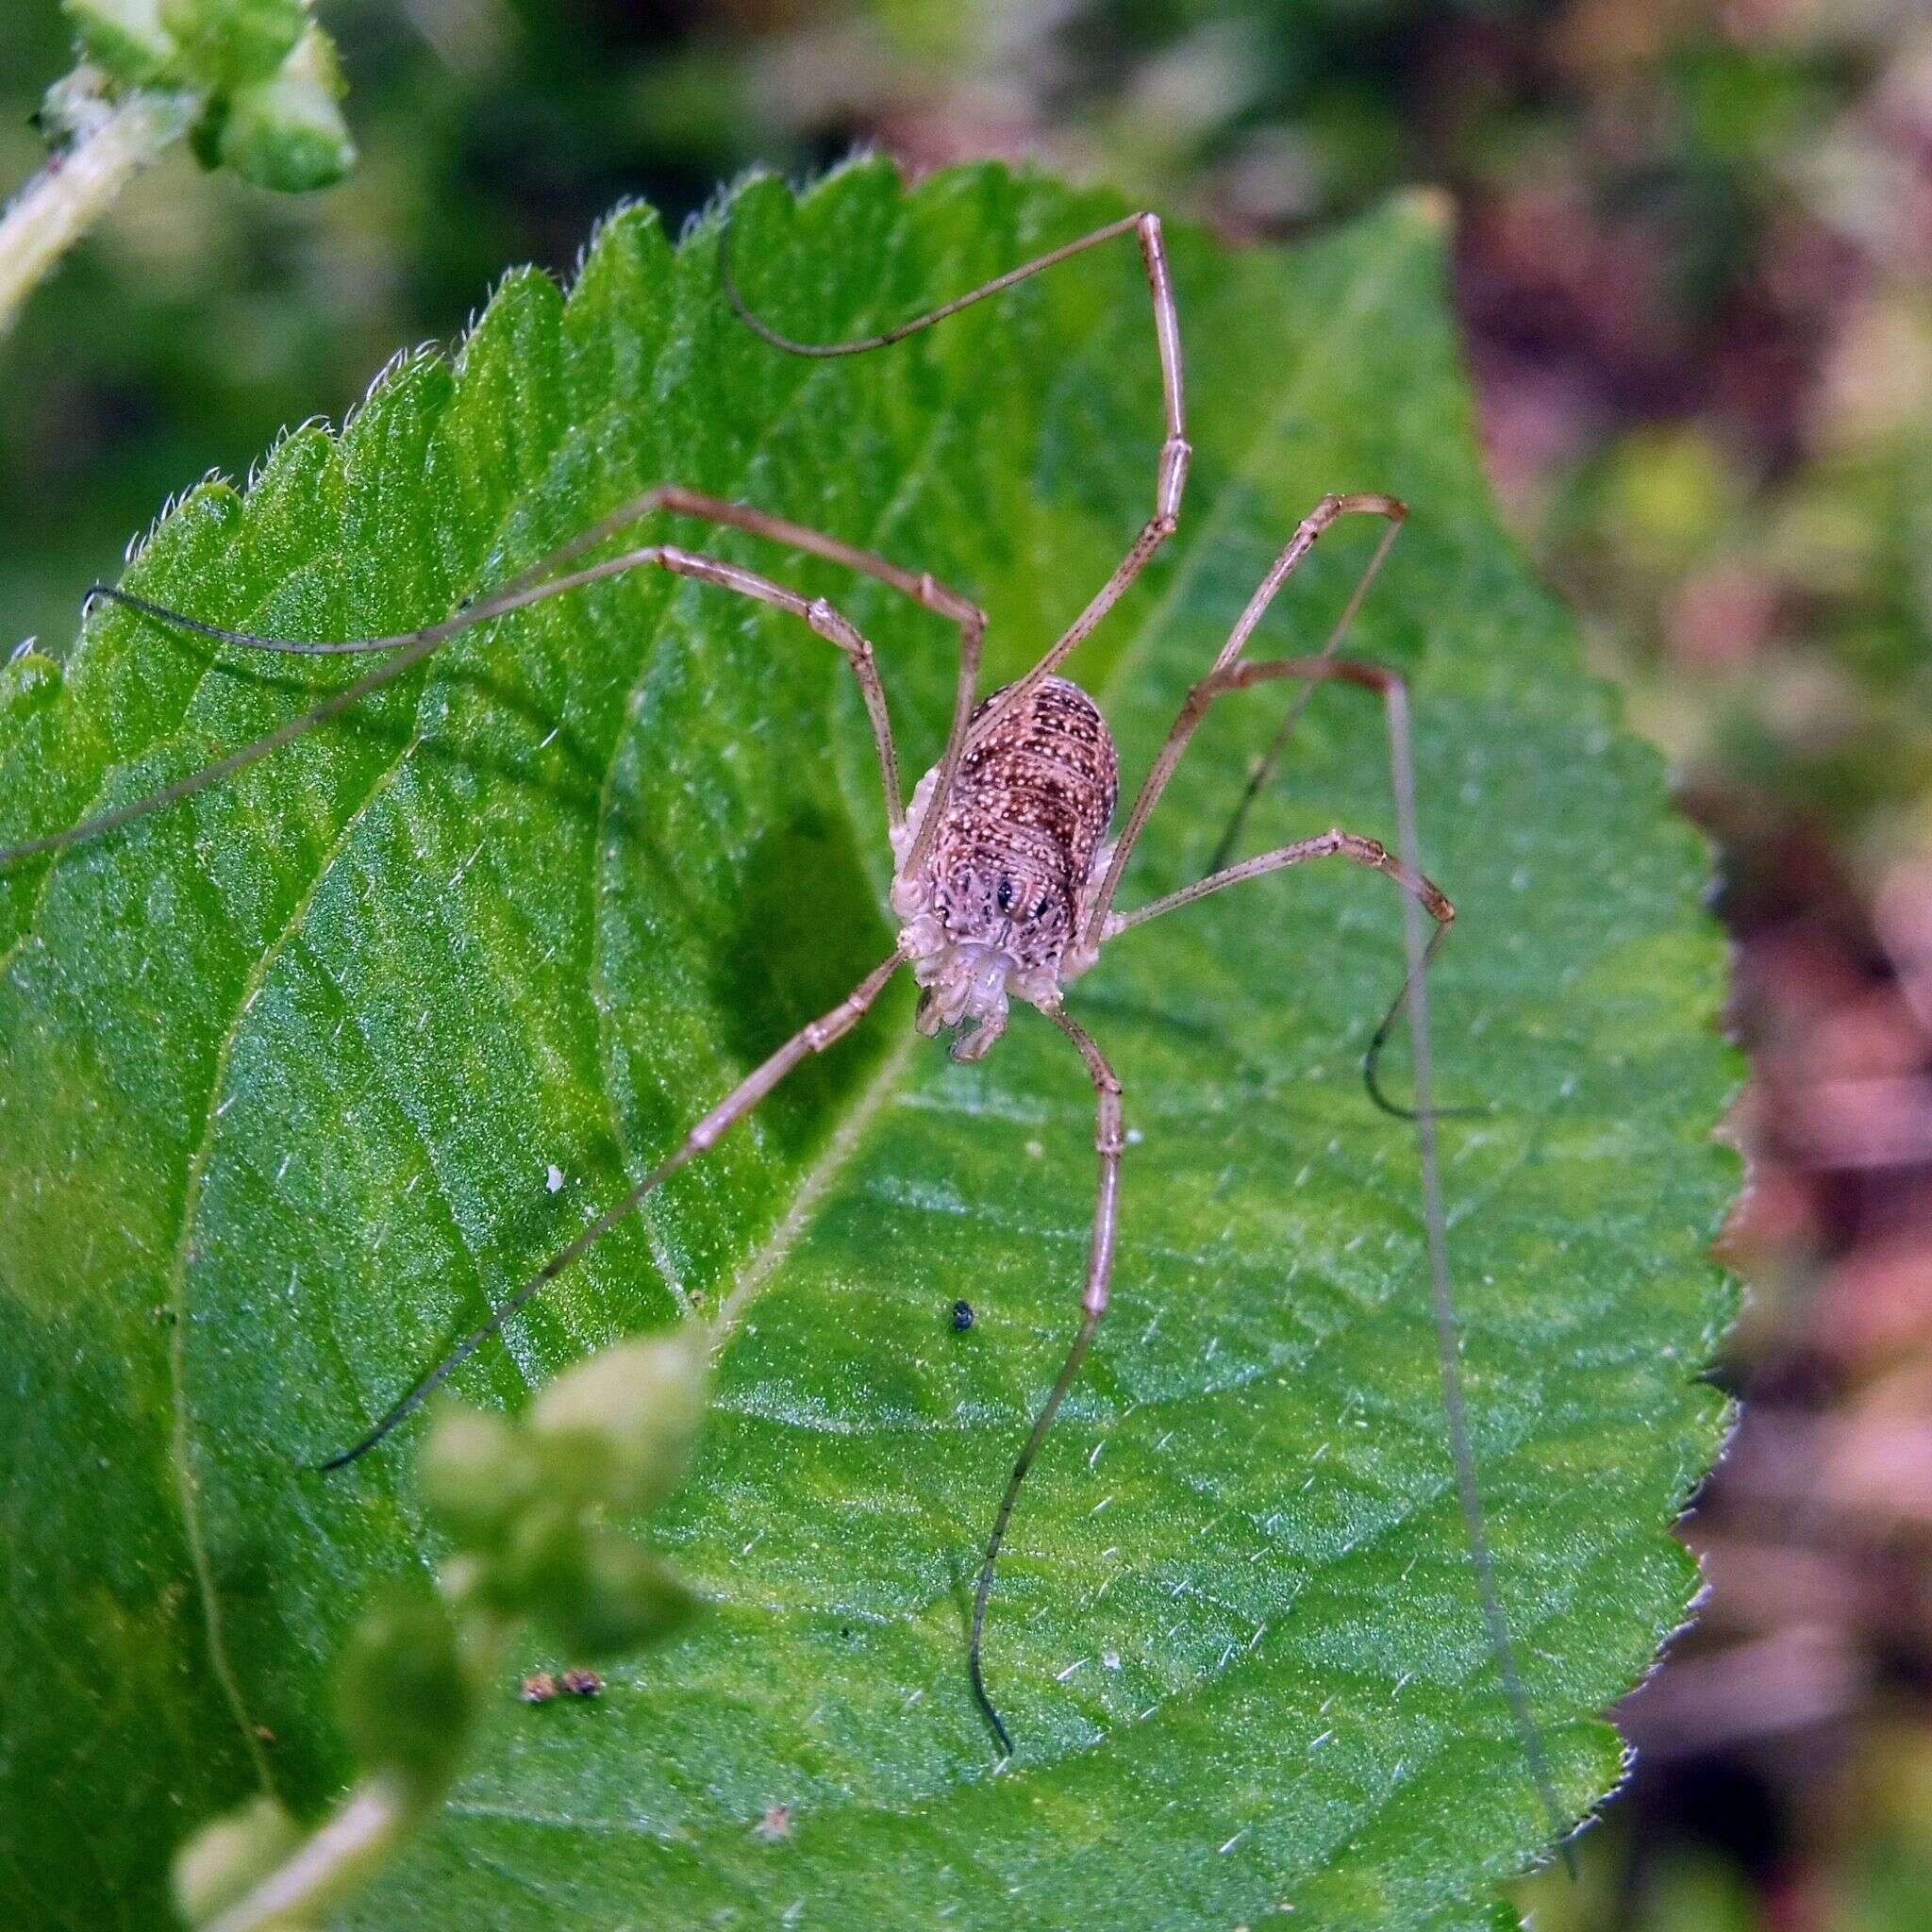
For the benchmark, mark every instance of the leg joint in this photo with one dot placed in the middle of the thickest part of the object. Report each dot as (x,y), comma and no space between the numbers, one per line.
(1176,454)
(835,628)
(947,602)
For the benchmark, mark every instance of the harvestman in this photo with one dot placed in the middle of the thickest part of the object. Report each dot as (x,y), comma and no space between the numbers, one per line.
(1004,879)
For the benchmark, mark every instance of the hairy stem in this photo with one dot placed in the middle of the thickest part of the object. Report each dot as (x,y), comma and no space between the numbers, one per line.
(77,186)
(357,1840)
(363,1832)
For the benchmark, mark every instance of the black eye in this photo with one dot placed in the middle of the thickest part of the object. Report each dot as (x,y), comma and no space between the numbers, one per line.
(1004,895)
(1039,911)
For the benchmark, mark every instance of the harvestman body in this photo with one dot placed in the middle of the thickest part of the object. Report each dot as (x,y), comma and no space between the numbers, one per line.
(1005,876)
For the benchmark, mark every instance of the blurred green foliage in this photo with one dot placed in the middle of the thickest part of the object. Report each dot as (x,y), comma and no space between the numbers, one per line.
(265,79)
(612,1435)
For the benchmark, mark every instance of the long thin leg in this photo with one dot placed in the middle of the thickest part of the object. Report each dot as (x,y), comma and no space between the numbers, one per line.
(1270,761)
(1109,1140)
(1324,514)
(921,585)
(1333,844)
(1238,676)
(1419,897)
(749,1092)
(1368,852)
(1170,476)
(411,646)
(1442,1293)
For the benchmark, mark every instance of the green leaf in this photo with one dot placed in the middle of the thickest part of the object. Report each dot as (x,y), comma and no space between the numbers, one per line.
(287,1074)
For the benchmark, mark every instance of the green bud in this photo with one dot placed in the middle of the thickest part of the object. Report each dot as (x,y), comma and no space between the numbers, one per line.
(226,43)
(480,1472)
(619,1428)
(126,37)
(537,1565)
(404,1696)
(205,136)
(287,132)
(225,1860)
(595,1590)
(624,1599)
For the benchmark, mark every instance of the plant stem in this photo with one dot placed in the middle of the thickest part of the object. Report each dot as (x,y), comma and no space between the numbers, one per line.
(359,1837)
(362,1834)
(77,186)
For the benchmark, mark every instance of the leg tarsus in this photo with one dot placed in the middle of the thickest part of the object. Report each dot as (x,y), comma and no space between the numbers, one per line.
(1420,895)
(1442,1293)
(1109,1140)
(1372,1057)
(1090,1321)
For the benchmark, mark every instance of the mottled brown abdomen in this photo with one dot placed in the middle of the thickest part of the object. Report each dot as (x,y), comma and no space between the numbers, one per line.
(1048,773)
(1029,810)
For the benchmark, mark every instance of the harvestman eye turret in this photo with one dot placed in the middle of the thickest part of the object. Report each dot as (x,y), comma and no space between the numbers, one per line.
(1005,878)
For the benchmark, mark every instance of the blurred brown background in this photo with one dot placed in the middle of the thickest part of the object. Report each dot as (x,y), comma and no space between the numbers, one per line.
(1695,268)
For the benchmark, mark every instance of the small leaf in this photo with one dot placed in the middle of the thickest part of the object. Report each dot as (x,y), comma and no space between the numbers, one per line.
(228,43)
(286,132)
(284,1073)
(479,1474)
(405,1701)
(125,36)
(621,1600)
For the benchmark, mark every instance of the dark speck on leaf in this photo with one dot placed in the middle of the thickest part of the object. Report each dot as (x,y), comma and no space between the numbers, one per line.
(962,1315)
